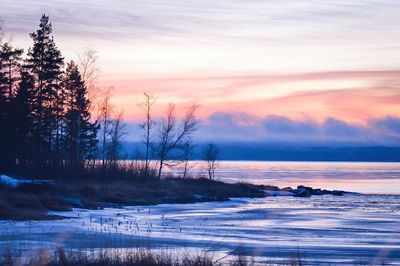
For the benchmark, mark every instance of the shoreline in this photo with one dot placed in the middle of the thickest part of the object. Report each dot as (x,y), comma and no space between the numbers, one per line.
(25,200)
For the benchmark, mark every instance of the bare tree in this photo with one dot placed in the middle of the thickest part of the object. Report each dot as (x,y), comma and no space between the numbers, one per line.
(104,118)
(87,62)
(172,135)
(187,155)
(147,126)
(117,132)
(210,157)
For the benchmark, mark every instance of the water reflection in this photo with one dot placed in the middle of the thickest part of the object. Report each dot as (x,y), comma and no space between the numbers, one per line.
(358,177)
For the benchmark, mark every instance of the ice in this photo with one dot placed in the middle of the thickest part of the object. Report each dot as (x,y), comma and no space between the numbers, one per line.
(350,227)
(353,229)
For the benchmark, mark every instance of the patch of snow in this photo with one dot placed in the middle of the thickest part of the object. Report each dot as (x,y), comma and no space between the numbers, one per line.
(9,181)
(277,193)
(74,201)
(12,182)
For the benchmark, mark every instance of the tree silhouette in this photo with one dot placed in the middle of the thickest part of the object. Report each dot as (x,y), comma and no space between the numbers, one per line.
(147,127)
(80,132)
(45,63)
(117,131)
(24,97)
(210,157)
(44,112)
(46,122)
(10,59)
(105,120)
(171,135)
(9,64)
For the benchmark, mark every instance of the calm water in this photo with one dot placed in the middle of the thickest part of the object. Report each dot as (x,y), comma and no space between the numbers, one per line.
(357,177)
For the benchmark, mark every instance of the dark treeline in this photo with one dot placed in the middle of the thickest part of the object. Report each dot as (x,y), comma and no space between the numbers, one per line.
(44,109)
(47,127)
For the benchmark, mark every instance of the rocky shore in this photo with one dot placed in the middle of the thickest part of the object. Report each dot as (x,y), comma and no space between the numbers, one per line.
(301,191)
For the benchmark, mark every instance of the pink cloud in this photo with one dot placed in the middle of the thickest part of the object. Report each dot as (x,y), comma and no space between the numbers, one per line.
(379,96)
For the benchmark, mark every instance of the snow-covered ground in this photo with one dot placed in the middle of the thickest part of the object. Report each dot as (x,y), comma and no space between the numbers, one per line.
(352,228)
(9,181)
(13,182)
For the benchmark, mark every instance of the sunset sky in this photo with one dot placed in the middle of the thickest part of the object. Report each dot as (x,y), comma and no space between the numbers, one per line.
(260,69)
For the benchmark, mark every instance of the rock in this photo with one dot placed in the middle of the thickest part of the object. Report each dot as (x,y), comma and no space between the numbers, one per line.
(338,193)
(317,192)
(198,197)
(271,188)
(308,189)
(326,192)
(302,192)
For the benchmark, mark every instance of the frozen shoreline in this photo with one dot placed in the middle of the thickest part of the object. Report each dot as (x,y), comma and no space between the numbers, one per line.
(352,228)
(33,199)
(328,228)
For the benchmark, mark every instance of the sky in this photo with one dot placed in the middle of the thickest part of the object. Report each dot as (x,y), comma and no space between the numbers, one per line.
(321,71)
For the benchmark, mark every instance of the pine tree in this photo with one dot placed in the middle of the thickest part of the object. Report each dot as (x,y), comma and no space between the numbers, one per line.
(45,63)
(9,64)
(3,119)
(80,131)
(23,106)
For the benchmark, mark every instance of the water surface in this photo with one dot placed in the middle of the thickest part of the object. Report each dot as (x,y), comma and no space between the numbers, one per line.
(353,176)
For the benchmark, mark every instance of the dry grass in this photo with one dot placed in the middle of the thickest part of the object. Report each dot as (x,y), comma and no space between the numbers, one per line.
(30,201)
(154,191)
(139,257)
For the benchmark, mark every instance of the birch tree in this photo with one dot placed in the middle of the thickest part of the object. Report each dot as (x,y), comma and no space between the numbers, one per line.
(173,134)
(147,127)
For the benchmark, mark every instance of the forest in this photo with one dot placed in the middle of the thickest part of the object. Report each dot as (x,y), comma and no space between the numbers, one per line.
(55,122)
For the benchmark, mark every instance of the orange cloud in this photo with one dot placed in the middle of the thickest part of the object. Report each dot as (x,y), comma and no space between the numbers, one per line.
(353,96)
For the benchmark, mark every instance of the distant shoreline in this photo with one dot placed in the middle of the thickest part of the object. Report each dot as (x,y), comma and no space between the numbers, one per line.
(288,161)
(242,151)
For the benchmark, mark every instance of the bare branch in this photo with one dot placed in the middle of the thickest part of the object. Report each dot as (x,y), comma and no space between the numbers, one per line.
(117,132)
(210,157)
(147,125)
(171,136)
(105,110)
(87,62)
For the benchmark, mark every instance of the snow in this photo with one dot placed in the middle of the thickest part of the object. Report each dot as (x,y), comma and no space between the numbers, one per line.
(278,193)
(9,181)
(323,227)
(13,182)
